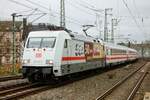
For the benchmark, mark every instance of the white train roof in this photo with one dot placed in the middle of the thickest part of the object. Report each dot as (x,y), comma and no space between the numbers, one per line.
(115,46)
(85,38)
(47,33)
(68,35)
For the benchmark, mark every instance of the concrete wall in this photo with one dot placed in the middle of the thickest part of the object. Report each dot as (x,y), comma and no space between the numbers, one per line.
(6,51)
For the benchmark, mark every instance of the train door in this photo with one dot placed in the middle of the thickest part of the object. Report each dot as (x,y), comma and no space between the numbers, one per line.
(102,55)
(65,58)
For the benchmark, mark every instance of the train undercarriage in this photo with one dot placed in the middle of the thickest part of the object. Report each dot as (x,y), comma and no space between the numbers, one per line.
(37,74)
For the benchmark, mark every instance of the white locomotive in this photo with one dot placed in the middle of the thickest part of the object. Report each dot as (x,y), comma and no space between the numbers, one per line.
(59,53)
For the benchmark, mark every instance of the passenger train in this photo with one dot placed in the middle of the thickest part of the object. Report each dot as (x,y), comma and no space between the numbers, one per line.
(52,54)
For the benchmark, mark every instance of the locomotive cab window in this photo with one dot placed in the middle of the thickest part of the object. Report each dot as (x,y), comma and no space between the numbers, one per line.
(48,42)
(34,43)
(41,42)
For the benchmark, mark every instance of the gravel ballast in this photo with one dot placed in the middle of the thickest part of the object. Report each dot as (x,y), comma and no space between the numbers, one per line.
(85,89)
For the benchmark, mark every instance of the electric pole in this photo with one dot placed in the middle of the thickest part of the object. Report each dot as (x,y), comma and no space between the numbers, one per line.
(112,30)
(24,35)
(114,23)
(98,23)
(14,15)
(105,24)
(62,13)
(14,44)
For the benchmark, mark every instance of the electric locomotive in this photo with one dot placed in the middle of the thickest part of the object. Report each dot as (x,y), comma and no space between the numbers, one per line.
(59,53)
(52,54)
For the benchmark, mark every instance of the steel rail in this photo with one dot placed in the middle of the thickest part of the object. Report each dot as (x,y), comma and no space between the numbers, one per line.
(23,93)
(12,86)
(101,97)
(14,90)
(139,82)
(13,77)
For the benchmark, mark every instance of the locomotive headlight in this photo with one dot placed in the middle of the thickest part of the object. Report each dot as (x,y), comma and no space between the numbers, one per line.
(25,61)
(49,62)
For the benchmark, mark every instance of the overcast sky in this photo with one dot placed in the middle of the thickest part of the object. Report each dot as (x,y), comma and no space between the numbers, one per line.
(133,22)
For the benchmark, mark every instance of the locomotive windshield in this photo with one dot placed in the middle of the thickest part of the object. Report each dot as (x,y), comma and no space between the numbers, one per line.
(41,42)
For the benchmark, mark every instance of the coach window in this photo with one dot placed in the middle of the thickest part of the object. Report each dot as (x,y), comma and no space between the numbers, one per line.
(65,44)
(108,51)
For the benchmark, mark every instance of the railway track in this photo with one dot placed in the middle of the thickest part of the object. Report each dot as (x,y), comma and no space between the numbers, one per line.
(11,86)
(29,89)
(138,83)
(13,77)
(18,91)
(110,90)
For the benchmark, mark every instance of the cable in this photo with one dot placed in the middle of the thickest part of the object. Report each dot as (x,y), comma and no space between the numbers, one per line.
(92,8)
(80,9)
(37,4)
(134,3)
(38,17)
(21,4)
(138,13)
(137,17)
(34,10)
(31,13)
(26,11)
(72,20)
(132,15)
(34,3)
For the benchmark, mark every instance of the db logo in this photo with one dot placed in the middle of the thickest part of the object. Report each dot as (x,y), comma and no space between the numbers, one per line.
(38,55)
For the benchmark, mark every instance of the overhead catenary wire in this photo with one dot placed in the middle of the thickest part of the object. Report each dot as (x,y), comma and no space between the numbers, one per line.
(38,17)
(37,4)
(137,17)
(34,10)
(84,11)
(32,13)
(24,5)
(92,8)
(138,13)
(134,3)
(72,20)
(26,11)
(21,4)
(87,3)
(130,12)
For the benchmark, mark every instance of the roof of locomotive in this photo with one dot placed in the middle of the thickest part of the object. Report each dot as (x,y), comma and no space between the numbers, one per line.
(67,34)
(87,38)
(48,33)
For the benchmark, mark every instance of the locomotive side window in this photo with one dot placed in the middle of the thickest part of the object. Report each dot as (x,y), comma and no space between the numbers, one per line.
(37,42)
(65,44)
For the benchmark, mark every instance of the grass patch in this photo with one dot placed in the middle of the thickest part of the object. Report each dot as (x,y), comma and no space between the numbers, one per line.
(7,69)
